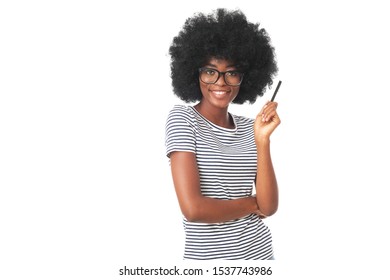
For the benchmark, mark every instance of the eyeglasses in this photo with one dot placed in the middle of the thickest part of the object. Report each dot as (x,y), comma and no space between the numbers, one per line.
(211,76)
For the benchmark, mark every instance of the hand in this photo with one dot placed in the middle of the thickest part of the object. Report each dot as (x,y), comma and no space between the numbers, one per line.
(266,121)
(257,211)
(261,215)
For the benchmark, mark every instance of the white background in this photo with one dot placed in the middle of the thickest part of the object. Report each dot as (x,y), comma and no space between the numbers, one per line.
(84,95)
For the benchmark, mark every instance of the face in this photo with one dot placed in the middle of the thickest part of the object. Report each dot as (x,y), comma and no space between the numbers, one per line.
(218,95)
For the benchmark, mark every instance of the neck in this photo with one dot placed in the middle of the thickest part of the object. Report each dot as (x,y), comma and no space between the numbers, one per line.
(218,116)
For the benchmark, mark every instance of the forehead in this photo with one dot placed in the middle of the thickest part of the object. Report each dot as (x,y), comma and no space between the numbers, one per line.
(220,62)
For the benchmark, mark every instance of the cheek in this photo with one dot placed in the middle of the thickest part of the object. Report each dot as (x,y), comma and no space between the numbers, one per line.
(203,88)
(236,91)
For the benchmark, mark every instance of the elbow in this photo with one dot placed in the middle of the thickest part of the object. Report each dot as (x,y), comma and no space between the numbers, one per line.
(269,212)
(192,219)
(192,213)
(267,206)
(193,208)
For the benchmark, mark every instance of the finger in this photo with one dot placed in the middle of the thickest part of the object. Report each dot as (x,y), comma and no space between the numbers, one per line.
(264,107)
(261,215)
(270,116)
(269,112)
(263,110)
(269,107)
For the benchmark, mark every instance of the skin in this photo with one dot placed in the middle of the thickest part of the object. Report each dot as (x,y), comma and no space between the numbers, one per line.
(214,107)
(266,185)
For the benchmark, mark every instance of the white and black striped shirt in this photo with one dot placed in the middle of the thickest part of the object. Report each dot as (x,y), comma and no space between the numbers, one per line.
(227,162)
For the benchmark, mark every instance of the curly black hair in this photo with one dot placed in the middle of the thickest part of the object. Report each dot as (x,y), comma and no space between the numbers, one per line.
(227,35)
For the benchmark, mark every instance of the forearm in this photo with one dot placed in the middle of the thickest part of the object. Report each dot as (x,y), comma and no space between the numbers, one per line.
(266,184)
(210,210)
(193,204)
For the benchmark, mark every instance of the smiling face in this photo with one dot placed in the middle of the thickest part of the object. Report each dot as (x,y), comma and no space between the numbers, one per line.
(218,95)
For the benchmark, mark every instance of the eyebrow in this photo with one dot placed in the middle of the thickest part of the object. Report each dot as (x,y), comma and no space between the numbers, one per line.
(228,66)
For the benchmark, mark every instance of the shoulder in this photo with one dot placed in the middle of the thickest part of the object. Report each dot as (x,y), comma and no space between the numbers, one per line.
(181,113)
(179,130)
(184,109)
(181,116)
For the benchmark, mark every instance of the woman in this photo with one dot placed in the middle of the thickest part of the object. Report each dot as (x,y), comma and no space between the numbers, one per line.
(217,157)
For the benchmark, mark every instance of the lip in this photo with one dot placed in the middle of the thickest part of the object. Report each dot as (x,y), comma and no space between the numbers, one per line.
(220,91)
(220,94)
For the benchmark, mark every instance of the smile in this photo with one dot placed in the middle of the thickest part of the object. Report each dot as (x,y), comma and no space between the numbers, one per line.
(219,92)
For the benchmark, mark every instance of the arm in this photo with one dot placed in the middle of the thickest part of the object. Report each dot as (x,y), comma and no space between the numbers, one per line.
(196,207)
(266,185)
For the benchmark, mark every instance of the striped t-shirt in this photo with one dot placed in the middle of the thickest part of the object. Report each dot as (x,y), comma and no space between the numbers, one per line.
(227,162)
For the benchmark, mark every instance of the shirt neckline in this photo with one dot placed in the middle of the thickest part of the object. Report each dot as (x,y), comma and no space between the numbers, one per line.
(231,130)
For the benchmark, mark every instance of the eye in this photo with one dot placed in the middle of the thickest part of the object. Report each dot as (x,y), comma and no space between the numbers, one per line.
(210,72)
(232,73)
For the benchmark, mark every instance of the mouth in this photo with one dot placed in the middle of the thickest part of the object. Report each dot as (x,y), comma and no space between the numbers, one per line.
(220,93)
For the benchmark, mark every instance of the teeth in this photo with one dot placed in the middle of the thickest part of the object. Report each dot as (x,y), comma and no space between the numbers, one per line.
(219,92)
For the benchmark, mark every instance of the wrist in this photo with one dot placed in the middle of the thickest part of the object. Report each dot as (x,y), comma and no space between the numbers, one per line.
(262,141)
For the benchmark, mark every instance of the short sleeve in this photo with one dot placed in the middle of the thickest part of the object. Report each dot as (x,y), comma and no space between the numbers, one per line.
(179,131)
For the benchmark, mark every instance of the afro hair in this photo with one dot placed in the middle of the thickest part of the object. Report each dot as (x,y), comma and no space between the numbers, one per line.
(227,35)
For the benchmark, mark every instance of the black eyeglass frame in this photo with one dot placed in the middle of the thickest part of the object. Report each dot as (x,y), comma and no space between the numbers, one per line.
(219,75)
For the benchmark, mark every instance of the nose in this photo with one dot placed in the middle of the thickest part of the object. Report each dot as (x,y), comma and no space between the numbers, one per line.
(221,80)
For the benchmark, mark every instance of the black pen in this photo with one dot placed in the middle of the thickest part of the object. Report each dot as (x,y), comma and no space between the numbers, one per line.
(276,91)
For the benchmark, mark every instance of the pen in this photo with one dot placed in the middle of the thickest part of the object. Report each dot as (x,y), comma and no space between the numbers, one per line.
(276,91)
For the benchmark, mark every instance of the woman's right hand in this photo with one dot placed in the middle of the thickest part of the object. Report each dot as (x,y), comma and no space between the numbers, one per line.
(257,211)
